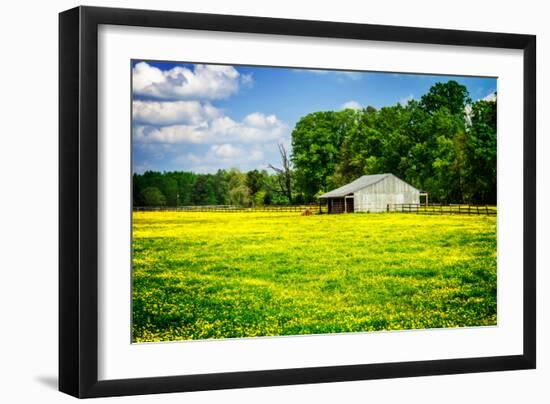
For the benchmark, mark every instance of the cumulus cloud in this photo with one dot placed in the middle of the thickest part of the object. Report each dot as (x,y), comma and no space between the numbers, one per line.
(229,152)
(226,150)
(254,128)
(247,80)
(351,105)
(206,82)
(220,156)
(178,126)
(169,113)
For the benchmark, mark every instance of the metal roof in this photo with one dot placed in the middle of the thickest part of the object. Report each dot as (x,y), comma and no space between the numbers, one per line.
(359,183)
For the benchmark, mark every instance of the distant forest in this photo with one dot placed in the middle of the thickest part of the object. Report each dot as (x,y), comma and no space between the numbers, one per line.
(443,144)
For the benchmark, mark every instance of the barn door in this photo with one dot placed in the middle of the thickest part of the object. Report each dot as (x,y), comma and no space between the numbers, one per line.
(349,205)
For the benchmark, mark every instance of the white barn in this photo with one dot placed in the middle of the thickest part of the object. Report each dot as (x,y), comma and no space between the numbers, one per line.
(371,193)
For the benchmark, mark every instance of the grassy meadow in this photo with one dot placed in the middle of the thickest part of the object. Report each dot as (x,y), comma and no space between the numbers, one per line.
(227,275)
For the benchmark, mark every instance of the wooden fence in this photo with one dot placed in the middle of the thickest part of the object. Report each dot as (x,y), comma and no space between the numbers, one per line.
(231,208)
(431,209)
(440,209)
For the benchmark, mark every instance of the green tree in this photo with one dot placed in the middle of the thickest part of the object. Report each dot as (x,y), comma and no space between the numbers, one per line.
(204,192)
(221,187)
(359,143)
(316,141)
(450,95)
(254,181)
(481,153)
(239,194)
(169,187)
(152,196)
(186,181)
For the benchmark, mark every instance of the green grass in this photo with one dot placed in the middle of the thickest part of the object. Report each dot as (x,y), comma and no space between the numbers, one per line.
(227,275)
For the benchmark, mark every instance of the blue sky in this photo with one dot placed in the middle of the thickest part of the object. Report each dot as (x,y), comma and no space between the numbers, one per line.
(201,118)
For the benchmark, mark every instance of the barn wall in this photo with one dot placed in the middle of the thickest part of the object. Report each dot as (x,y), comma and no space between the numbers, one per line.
(376,197)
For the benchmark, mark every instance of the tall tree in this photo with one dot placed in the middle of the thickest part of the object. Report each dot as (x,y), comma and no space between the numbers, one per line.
(481,152)
(316,142)
(204,192)
(450,95)
(221,187)
(239,194)
(254,181)
(284,173)
(186,181)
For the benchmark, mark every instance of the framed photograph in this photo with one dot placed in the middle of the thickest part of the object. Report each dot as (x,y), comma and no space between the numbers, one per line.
(251,201)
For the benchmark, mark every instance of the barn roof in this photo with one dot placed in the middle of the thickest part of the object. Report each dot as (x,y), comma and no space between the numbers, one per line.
(359,183)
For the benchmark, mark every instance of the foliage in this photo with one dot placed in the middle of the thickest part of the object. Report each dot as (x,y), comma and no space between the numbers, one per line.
(215,275)
(316,140)
(450,95)
(481,152)
(153,197)
(429,143)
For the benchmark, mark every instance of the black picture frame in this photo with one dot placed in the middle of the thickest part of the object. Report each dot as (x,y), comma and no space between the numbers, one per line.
(78,201)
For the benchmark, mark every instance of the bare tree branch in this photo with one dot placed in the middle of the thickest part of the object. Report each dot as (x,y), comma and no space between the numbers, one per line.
(284,177)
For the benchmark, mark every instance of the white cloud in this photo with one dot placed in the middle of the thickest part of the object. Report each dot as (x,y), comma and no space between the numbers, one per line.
(492,97)
(405,100)
(314,71)
(226,151)
(350,75)
(169,113)
(206,82)
(169,134)
(247,80)
(259,120)
(351,105)
(220,156)
(254,128)
(256,155)
(468,110)
(341,73)
(176,125)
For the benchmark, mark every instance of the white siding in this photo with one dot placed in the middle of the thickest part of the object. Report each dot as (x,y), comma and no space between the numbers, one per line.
(376,197)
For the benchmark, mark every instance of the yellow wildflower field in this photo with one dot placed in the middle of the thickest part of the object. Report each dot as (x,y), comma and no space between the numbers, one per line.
(199,275)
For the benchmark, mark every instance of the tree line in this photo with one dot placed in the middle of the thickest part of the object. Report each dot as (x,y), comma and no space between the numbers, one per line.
(443,144)
(225,187)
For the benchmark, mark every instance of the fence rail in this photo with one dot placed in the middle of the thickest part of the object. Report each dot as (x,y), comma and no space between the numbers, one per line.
(231,208)
(440,209)
(431,209)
